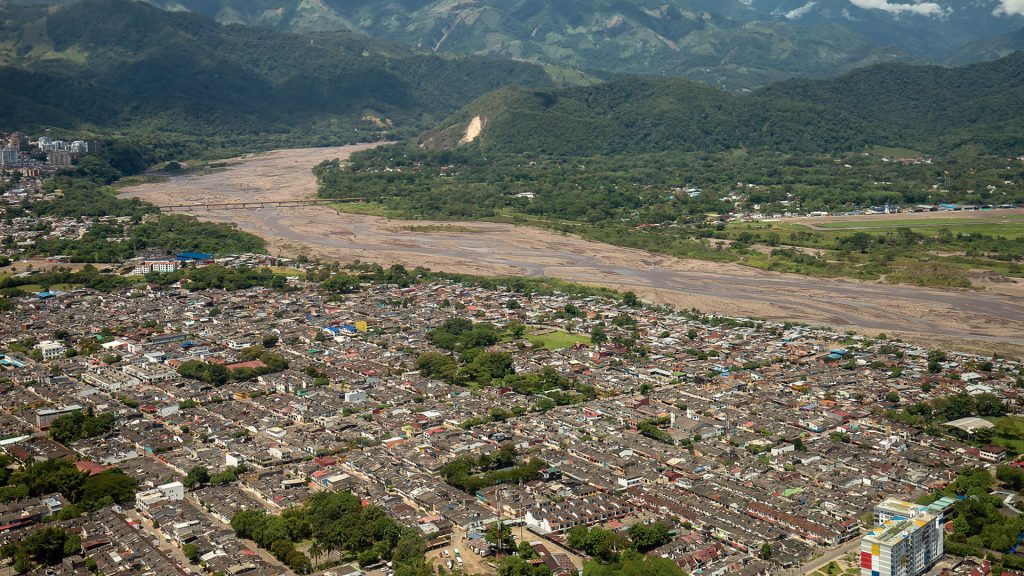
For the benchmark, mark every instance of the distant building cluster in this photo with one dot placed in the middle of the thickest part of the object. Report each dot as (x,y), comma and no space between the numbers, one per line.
(33,158)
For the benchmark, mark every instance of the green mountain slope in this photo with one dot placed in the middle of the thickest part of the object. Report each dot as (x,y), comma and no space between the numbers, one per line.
(987,49)
(125,66)
(918,107)
(724,42)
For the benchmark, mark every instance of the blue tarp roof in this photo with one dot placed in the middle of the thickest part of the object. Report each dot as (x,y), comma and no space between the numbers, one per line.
(46,294)
(194,256)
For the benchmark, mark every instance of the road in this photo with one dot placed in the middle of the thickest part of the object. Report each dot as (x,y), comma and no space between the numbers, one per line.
(831,555)
(989,320)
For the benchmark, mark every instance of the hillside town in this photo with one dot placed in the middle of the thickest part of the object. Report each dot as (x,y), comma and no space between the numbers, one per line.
(760,446)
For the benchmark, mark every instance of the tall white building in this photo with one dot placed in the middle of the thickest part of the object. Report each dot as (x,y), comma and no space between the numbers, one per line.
(906,540)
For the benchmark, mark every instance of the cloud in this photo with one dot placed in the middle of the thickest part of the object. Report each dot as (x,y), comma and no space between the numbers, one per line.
(923,8)
(1010,8)
(797,13)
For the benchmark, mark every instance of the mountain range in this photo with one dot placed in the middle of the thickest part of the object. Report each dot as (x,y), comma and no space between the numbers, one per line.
(929,108)
(128,67)
(731,43)
(180,80)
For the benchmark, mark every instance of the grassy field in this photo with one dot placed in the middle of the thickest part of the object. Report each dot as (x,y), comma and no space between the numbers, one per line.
(58,287)
(947,251)
(1009,432)
(1009,227)
(287,271)
(366,208)
(140,180)
(557,339)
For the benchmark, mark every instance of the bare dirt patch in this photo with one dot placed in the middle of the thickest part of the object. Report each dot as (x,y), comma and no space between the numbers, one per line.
(476,126)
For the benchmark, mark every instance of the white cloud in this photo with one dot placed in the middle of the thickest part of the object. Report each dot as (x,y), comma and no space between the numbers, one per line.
(797,13)
(923,8)
(1010,8)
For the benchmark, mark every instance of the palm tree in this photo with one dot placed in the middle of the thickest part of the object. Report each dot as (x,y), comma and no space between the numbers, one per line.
(316,550)
(329,547)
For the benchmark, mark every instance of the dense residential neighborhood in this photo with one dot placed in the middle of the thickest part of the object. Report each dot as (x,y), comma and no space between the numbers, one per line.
(759,446)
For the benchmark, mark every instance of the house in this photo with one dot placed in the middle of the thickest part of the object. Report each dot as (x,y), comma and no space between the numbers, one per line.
(51,349)
(992,453)
(170,492)
(46,416)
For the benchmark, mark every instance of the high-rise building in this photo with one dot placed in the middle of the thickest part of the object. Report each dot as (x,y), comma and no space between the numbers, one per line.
(8,156)
(58,158)
(18,141)
(906,540)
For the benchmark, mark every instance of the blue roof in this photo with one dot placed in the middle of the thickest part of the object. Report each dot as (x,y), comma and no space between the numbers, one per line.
(193,256)
(46,294)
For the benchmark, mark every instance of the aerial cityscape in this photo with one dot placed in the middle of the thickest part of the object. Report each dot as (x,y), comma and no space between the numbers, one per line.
(518,288)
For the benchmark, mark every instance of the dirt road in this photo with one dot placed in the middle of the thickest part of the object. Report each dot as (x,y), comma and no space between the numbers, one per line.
(988,320)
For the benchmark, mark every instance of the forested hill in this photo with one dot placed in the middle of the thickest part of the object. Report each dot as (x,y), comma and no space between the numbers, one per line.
(127,66)
(926,108)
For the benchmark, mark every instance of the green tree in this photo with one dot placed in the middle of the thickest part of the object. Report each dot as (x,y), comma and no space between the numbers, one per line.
(631,299)
(500,537)
(197,476)
(649,536)
(516,329)
(191,552)
(110,485)
(516,566)
(341,284)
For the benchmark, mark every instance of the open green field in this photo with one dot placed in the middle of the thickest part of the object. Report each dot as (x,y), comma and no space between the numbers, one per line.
(939,252)
(40,287)
(557,339)
(1009,227)
(288,271)
(366,208)
(1009,432)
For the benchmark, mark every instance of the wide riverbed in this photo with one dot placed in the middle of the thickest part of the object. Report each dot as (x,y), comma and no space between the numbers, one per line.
(989,319)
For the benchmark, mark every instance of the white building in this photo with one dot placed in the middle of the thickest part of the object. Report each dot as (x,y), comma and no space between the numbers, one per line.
(51,349)
(168,492)
(161,266)
(355,396)
(150,373)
